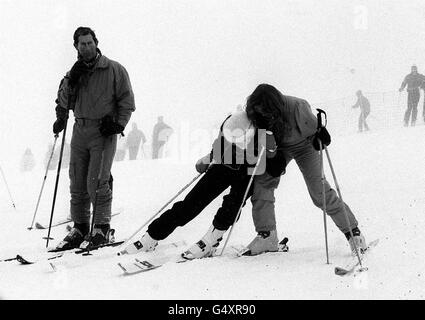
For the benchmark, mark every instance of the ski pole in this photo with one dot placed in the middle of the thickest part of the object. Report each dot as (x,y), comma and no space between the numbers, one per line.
(322,169)
(343,205)
(243,199)
(44,181)
(7,187)
(159,211)
(57,177)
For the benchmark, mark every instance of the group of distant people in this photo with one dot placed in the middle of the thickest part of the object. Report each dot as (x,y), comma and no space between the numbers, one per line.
(414,81)
(136,140)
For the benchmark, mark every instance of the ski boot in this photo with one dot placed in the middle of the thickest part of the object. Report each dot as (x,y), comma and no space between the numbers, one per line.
(102,234)
(357,241)
(205,247)
(74,238)
(265,241)
(145,244)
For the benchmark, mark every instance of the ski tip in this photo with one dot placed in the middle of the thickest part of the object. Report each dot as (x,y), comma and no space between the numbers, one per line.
(39,226)
(22,260)
(340,271)
(284,241)
(246,252)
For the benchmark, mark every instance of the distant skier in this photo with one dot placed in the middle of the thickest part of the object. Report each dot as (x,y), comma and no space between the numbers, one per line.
(27,161)
(135,140)
(99,92)
(364,105)
(414,81)
(227,165)
(161,134)
(296,131)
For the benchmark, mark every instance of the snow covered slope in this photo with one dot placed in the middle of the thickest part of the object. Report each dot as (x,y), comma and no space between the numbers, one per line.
(381,178)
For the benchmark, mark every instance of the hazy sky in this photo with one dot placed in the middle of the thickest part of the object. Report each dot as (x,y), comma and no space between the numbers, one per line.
(196,60)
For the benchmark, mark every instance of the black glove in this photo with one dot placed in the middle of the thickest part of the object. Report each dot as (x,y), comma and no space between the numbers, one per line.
(324,136)
(58,126)
(271,145)
(78,69)
(203,164)
(108,127)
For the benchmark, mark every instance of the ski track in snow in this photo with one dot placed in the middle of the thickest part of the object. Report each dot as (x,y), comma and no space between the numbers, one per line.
(380,177)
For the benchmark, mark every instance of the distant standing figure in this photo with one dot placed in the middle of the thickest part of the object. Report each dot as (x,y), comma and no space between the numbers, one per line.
(414,81)
(27,161)
(161,134)
(134,137)
(364,105)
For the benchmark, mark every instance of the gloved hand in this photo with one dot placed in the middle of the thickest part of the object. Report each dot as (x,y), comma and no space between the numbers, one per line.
(108,127)
(59,125)
(78,69)
(400,90)
(324,136)
(271,145)
(203,164)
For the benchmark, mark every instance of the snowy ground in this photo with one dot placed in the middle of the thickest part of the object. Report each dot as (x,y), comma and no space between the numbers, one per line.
(381,178)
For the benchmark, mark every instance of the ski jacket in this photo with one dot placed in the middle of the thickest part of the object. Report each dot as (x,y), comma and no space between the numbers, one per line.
(134,138)
(363,103)
(105,90)
(299,122)
(414,81)
(161,132)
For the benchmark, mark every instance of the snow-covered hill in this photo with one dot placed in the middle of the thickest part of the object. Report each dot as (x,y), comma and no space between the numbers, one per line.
(380,175)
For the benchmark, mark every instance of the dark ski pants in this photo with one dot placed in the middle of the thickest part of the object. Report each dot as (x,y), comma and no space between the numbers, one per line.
(132,152)
(87,148)
(412,107)
(157,149)
(217,179)
(308,160)
(362,121)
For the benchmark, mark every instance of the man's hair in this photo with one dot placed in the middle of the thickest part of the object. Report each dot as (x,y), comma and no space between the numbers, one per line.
(83,31)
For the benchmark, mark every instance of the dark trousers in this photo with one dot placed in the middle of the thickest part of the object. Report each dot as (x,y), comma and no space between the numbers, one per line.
(156,149)
(132,152)
(87,149)
(412,107)
(217,179)
(362,121)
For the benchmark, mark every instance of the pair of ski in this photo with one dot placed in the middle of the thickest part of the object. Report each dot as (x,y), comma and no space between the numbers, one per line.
(56,254)
(138,264)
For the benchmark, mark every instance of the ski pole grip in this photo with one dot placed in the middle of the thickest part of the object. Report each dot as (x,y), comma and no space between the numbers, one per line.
(319,118)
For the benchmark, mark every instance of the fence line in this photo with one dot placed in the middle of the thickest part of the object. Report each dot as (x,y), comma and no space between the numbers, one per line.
(387,110)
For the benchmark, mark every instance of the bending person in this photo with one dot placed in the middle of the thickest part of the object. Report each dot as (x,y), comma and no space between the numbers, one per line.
(230,163)
(295,129)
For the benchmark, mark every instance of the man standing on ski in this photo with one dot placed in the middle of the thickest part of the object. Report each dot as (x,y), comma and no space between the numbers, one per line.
(414,81)
(99,92)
